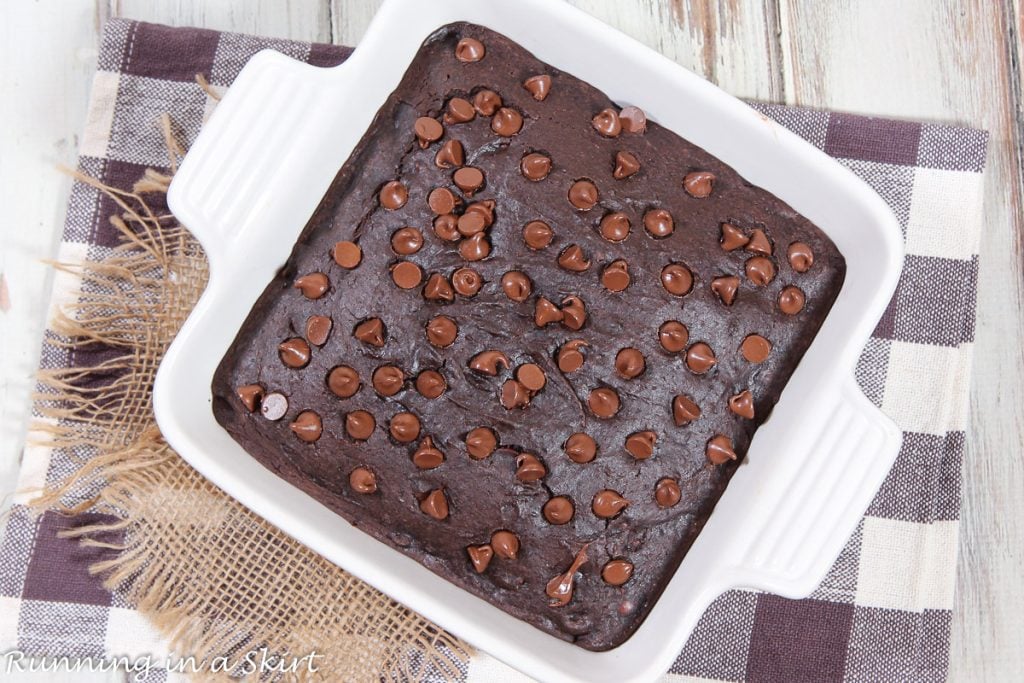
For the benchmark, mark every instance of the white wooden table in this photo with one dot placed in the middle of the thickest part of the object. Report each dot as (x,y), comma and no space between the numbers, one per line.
(957,61)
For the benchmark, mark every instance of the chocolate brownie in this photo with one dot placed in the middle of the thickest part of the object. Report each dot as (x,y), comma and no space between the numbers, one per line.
(527,337)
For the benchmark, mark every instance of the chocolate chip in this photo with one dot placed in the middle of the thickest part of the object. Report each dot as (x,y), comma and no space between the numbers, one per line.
(573,259)
(574,313)
(617,572)
(615,276)
(801,258)
(318,329)
(404,427)
(388,380)
(313,285)
(481,442)
(393,195)
(486,210)
(626,165)
(274,406)
(426,456)
(438,289)
(359,424)
(606,122)
(760,270)
(732,237)
(427,130)
(469,50)
(535,166)
(506,122)
(791,300)
(580,448)
(370,331)
(470,223)
(699,184)
(673,336)
(307,426)
(435,505)
(725,287)
(583,195)
(442,331)
(362,480)
(343,381)
(451,155)
(570,357)
(684,410)
(459,110)
(475,248)
(667,493)
(488,362)
(516,285)
(608,503)
(537,235)
(560,588)
(294,353)
(469,179)
(545,313)
(538,86)
(641,444)
(629,363)
(676,279)
(250,396)
(759,243)
(441,201)
(659,223)
(467,281)
(742,404)
(531,376)
(347,254)
(755,348)
(406,241)
(719,450)
(513,395)
(446,227)
(633,119)
(558,510)
(406,274)
(615,226)
(700,358)
(487,102)
(603,402)
(480,556)
(529,469)
(505,544)
(431,384)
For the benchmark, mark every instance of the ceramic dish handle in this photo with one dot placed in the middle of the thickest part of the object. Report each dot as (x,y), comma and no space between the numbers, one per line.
(806,520)
(240,176)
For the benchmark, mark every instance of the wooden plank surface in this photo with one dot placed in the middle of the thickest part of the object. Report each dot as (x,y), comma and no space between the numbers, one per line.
(943,60)
(950,61)
(296,19)
(48,56)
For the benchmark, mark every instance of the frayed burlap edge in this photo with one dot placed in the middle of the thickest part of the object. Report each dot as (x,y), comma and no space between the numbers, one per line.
(211,576)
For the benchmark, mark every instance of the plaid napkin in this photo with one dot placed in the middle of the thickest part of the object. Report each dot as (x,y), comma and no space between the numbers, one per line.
(884,610)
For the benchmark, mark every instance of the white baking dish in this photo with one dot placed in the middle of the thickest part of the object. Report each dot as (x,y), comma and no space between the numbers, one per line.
(253,178)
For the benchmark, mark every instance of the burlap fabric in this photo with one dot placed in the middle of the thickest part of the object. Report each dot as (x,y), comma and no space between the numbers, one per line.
(215,579)
(212,577)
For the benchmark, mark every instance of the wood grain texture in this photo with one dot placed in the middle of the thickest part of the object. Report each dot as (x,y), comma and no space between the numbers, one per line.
(943,60)
(951,61)
(295,19)
(48,52)
(732,43)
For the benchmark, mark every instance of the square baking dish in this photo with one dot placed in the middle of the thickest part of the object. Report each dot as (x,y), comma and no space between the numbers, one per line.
(261,165)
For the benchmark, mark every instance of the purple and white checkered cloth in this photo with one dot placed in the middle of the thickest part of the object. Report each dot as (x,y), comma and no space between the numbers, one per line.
(882,614)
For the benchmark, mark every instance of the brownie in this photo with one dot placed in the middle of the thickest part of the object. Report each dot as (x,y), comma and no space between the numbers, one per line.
(527,337)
